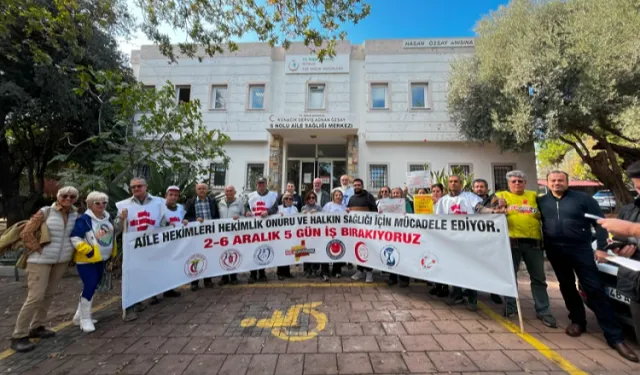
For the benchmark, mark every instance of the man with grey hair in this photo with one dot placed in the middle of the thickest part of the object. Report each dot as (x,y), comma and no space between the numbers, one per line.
(140,212)
(523,220)
(230,207)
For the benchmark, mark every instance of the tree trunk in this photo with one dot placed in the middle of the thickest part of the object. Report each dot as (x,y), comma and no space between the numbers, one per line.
(611,178)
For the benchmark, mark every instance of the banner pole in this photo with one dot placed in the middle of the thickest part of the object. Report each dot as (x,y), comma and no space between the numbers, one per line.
(520,314)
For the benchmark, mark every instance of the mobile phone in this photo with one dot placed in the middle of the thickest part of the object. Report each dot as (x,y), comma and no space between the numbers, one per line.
(616,245)
(594,217)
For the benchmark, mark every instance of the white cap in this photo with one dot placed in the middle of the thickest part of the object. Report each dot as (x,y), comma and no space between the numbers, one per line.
(173,187)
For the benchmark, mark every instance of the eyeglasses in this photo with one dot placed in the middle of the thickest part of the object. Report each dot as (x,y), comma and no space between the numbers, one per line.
(288,199)
(516,181)
(137,186)
(310,198)
(67,196)
(100,203)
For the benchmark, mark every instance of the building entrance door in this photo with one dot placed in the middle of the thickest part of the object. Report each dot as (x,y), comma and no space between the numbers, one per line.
(308,162)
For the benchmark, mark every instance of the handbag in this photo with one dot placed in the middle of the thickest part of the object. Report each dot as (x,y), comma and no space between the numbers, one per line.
(44,238)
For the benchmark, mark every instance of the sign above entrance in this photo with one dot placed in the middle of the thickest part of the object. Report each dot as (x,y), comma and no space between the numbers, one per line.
(438,43)
(309,64)
(310,121)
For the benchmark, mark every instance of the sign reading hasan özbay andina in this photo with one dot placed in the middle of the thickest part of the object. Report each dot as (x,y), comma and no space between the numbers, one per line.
(466,251)
(310,121)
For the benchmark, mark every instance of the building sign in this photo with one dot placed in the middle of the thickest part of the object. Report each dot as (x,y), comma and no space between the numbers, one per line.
(309,64)
(310,121)
(438,43)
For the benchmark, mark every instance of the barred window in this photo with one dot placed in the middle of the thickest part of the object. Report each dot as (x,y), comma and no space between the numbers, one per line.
(465,169)
(217,175)
(254,172)
(378,176)
(500,176)
(418,167)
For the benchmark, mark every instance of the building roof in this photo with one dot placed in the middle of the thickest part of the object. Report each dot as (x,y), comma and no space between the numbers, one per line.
(576,183)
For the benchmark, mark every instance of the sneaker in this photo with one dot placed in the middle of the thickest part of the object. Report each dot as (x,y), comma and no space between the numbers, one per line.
(509,312)
(337,275)
(22,345)
(357,276)
(252,280)
(129,315)
(171,293)
(325,278)
(369,278)
(139,307)
(455,300)
(41,333)
(548,320)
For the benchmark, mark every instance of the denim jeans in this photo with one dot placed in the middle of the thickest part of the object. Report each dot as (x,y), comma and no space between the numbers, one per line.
(529,251)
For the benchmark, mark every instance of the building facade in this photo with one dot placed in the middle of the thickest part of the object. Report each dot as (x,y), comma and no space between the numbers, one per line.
(376,111)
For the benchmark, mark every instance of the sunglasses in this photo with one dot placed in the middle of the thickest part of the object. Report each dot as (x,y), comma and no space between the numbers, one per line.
(310,198)
(288,199)
(100,203)
(516,181)
(137,186)
(67,196)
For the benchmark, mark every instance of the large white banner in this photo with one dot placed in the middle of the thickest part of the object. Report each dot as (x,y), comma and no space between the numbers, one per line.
(467,251)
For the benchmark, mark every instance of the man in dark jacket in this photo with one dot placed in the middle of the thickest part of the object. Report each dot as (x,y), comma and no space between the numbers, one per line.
(201,208)
(297,200)
(567,241)
(362,200)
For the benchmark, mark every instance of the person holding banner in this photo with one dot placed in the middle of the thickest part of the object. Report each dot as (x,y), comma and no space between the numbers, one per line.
(200,208)
(230,208)
(440,290)
(481,188)
(297,200)
(261,202)
(523,220)
(335,206)
(286,208)
(362,200)
(567,240)
(459,202)
(94,241)
(311,207)
(139,213)
(396,193)
(383,193)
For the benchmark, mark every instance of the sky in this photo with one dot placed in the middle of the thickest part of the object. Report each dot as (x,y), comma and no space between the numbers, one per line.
(389,19)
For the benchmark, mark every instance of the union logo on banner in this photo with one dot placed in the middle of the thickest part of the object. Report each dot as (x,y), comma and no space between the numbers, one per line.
(390,256)
(300,250)
(429,263)
(362,252)
(230,259)
(195,265)
(263,255)
(336,249)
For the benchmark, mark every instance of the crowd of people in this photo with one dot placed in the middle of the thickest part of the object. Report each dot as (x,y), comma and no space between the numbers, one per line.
(554,222)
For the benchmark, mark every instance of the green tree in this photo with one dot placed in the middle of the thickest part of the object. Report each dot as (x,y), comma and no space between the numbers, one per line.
(554,154)
(556,70)
(210,26)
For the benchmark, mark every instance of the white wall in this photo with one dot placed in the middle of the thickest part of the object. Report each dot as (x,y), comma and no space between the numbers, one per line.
(440,155)
(242,153)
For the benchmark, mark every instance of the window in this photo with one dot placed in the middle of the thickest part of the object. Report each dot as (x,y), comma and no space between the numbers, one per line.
(254,172)
(419,96)
(379,95)
(218,97)
(144,171)
(500,176)
(217,175)
(183,93)
(315,99)
(256,97)
(464,169)
(378,176)
(415,167)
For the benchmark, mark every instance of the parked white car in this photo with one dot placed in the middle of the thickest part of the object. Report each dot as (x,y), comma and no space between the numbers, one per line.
(606,200)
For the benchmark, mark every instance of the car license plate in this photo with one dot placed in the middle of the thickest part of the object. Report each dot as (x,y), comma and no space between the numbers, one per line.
(613,293)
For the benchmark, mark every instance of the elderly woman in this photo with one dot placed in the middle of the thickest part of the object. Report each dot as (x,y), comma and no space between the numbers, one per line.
(94,240)
(45,266)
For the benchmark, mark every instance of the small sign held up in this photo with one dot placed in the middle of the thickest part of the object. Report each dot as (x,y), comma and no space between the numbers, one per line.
(418,179)
(392,206)
(423,204)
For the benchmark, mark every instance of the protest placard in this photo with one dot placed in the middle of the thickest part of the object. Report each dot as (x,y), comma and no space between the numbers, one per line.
(423,204)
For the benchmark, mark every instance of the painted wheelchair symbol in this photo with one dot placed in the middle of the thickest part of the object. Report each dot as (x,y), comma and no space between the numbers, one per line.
(284,325)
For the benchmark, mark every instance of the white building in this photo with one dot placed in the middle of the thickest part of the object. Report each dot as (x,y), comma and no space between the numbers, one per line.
(376,111)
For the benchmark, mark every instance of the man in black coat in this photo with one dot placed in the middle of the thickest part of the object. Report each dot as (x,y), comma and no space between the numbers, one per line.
(362,200)
(567,241)
(200,208)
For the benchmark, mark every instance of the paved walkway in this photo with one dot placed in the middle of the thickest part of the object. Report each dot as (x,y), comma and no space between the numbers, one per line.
(300,327)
